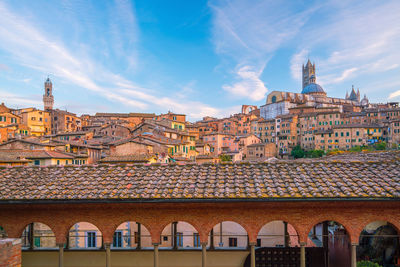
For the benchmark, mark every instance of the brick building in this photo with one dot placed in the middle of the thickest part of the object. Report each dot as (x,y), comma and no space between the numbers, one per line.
(320,208)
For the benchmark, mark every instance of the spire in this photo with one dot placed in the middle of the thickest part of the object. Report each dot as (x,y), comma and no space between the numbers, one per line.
(347,94)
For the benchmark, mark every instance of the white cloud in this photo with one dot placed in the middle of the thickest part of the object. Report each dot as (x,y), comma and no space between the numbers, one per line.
(249,33)
(17,101)
(249,84)
(359,39)
(297,62)
(34,49)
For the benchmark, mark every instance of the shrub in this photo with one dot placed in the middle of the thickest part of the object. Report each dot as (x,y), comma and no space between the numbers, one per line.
(367,264)
(380,146)
(225,158)
(297,152)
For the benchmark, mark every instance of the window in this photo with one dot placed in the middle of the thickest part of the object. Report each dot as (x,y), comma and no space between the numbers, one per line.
(36,241)
(273,99)
(117,239)
(58,162)
(196,240)
(258,242)
(37,162)
(179,239)
(232,241)
(90,239)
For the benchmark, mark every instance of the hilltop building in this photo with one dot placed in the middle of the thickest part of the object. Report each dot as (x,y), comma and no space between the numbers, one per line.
(312,95)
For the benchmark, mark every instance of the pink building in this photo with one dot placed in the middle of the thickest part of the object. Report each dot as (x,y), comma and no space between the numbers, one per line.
(221,143)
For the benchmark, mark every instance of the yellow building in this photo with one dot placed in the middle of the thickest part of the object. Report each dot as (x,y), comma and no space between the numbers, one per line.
(38,121)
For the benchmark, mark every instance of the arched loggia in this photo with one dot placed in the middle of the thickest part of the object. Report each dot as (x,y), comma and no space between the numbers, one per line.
(84,235)
(180,235)
(228,234)
(379,242)
(131,235)
(278,234)
(38,235)
(335,241)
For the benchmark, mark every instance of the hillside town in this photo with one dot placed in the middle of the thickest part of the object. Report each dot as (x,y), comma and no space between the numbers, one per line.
(309,121)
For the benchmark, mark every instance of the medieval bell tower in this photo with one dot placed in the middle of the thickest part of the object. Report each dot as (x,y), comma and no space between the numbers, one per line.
(308,74)
(48,99)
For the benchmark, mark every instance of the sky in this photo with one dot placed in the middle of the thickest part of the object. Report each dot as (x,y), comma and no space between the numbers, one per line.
(200,58)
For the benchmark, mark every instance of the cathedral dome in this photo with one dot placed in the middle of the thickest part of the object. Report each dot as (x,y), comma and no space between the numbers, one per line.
(312,88)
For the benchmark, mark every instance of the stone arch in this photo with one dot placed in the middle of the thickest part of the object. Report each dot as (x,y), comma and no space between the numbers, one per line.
(272,234)
(84,235)
(233,235)
(131,234)
(180,234)
(38,235)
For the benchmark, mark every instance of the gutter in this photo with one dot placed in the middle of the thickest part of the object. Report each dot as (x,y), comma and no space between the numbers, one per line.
(192,200)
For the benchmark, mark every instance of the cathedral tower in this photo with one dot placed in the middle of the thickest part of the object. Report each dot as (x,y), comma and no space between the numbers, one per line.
(308,74)
(48,99)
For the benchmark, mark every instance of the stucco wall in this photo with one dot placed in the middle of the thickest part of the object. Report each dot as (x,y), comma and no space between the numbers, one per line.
(134,258)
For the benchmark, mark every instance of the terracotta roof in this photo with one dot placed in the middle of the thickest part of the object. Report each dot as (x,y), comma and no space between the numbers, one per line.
(369,180)
(136,158)
(365,156)
(36,154)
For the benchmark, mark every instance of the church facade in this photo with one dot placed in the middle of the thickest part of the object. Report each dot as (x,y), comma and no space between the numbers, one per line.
(312,95)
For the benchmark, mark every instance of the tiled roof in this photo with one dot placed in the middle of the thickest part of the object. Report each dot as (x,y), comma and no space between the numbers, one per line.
(366,156)
(35,154)
(261,181)
(137,158)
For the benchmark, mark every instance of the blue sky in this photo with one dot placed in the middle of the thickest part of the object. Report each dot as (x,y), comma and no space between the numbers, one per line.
(194,57)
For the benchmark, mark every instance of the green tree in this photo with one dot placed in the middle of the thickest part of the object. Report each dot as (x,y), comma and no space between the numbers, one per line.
(297,152)
(225,158)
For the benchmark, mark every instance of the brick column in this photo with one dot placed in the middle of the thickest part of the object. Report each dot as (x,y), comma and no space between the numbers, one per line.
(303,254)
(108,254)
(60,255)
(204,254)
(155,254)
(10,252)
(354,255)
(252,254)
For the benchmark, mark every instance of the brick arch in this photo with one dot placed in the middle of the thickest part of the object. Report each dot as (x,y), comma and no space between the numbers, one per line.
(304,229)
(69,226)
(116,225)
(214,223)
(394,224)
(145,223)
(165,223)
(263,223)
(15,229)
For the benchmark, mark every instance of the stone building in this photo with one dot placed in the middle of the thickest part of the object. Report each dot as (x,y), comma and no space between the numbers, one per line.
(312,95)
(48,98)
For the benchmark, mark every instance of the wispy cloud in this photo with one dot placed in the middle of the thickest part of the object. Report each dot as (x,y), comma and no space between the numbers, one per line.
(359,39)
(249,84)
(249,33)
(27,43)
(17,100)
(296,64)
